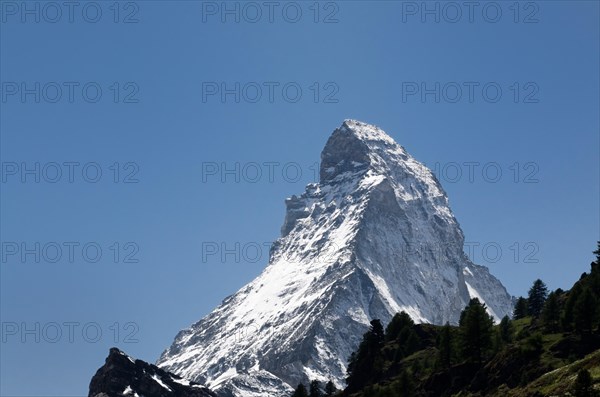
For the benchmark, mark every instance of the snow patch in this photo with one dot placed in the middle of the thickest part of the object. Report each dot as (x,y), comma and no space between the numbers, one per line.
(160,382)
(474,294)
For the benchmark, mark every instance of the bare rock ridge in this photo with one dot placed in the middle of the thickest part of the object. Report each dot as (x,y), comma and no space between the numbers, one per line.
(122,376)
(374,237)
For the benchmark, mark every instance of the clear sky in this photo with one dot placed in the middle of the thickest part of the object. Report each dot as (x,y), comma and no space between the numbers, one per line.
(184,92)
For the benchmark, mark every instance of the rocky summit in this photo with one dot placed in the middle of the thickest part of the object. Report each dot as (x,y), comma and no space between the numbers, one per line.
(374,237)
(122,376)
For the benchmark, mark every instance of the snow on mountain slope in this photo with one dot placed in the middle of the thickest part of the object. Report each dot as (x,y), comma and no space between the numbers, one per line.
(374,237)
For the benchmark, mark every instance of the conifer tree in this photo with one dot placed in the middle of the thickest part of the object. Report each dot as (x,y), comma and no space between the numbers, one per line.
(551,313)
(585,312)
(410,341)
(595,273)
(330,389)
(537,297)
(363,364)
(445,347)
(399,322)
(520,310)
(315,389)
(300,391)
(574,293)
(376,333)
(505,328)
(475,328)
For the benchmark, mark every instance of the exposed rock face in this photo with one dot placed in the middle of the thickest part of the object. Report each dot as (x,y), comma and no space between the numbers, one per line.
(376,236)
(123,376)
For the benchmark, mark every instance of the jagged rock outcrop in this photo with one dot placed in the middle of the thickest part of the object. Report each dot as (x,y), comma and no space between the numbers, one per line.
(123,376)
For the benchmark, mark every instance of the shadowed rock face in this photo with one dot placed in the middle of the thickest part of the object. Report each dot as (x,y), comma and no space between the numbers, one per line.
(122,376)
(374,237)
(343,152)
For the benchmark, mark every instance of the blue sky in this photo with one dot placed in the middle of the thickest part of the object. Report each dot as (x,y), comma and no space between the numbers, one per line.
(161,120)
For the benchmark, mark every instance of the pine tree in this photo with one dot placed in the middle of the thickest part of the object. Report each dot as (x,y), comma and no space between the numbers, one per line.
(411,342)
(376,333)
(583,384)
(595,273)
(363,366)
(300,391)
(551,313)
(520,310)
(330,389)
(315,389)
(399,322)
(505,330)
(475,328)
(445,346)
(574,293)
(402,330)
(585,312)
(537,297)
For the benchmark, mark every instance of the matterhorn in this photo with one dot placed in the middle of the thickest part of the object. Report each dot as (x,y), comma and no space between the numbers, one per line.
(374,237)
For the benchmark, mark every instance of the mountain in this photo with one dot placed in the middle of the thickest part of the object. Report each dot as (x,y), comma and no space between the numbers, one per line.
(375,237)
(122,376)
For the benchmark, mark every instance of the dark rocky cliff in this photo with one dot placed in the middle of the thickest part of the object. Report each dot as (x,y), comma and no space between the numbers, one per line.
(123,376)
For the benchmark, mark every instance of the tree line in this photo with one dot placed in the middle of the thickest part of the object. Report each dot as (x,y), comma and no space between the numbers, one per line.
(315,390)
(389,353)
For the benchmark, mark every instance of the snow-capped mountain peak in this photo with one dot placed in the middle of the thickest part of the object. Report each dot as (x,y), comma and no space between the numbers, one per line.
(374,237)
